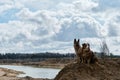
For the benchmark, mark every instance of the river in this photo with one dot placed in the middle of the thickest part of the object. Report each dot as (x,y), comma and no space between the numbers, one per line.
(33,71)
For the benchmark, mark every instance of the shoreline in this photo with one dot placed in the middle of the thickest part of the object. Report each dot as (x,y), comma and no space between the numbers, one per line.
(7,74)
(54,66)
(10,74)
(49,63)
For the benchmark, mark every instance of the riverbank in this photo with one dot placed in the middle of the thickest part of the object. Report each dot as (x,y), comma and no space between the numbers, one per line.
(48,63)
(8,74)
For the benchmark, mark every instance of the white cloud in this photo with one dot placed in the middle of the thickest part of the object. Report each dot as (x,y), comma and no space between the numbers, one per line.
(5,8)
(6,2)
(106,4)
(6,5)
(85,5)
(44,25)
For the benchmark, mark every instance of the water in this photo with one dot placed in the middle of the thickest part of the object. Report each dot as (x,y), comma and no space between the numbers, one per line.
(34,72)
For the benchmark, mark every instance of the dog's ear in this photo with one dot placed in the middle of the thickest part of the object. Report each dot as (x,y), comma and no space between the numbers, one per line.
(78,40)
(83,44)
(88,44)
(74,40)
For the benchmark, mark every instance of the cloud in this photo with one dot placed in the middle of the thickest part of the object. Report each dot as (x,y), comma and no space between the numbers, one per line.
(51,25)
(113,25)
(7,5)
(5,8)
(44,24)
(106,4)
(85,5)
(28,29)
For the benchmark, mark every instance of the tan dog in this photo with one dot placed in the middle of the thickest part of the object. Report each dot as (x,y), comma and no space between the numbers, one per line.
(78,50)
(84,54)
(87,53)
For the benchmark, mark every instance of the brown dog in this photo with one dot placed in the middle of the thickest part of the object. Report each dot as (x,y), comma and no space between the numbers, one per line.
(84,54)
(78,50)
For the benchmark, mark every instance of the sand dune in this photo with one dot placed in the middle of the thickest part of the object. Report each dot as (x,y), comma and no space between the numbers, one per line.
(108,69)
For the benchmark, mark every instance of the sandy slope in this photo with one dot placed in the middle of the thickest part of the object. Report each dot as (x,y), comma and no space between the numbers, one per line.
(106,70)
(8,74)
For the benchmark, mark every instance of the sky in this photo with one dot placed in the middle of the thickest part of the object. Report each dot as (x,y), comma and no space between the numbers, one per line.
(32,26)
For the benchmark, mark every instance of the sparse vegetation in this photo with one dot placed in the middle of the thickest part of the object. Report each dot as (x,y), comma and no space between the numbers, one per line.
(104,49)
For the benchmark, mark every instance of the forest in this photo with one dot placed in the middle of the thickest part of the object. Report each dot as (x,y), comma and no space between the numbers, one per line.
(35,55)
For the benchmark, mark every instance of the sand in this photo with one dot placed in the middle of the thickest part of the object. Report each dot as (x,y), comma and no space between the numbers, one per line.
(8,74)
(108,69)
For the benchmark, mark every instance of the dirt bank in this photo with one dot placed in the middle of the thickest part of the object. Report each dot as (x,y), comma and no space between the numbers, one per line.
(8,74)
(48,63)
(108,69)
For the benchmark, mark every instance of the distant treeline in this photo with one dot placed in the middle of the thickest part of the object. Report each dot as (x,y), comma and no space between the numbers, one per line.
(42,55)
(35,55)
